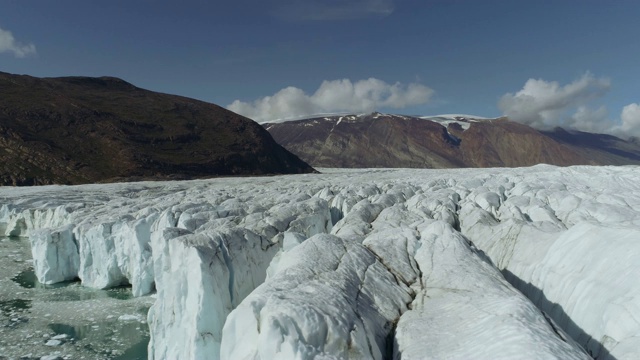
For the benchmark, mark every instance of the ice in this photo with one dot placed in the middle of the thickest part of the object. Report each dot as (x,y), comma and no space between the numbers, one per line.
(19,223)
(204,276)
(51,357)
(572,251)
(53,343)
(374,263)
(463,297)
(331,297)
(65,312)
(130,317)
(55,254)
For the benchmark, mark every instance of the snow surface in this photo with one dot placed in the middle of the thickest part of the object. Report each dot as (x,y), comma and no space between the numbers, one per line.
(360,264)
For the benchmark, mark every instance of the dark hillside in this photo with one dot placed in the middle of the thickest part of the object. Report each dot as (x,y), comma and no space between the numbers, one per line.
(75,130)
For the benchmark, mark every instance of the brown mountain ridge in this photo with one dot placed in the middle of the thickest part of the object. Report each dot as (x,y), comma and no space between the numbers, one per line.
(382,140)
(74,130)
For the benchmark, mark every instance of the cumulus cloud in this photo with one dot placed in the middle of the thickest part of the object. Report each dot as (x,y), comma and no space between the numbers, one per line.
(545,104)
(8,44)
(630,121)
(590,120)
(326,10)
(333,96)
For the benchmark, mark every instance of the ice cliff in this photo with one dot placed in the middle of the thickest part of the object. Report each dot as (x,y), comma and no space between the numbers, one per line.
(533,263)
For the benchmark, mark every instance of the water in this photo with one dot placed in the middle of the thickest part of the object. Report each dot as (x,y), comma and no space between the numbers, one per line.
(73,290)
(27,279)
(31,313)
(120,293)
(102,337)
(15,305)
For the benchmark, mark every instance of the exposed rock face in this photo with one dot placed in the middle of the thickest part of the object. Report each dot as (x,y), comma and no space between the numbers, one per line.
(368,141)
(77,130)
(380,140)
(605,149)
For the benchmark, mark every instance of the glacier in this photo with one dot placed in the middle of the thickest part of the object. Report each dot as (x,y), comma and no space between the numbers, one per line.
(536,262)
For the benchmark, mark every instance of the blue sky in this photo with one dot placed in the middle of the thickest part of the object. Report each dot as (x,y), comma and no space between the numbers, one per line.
(447,56)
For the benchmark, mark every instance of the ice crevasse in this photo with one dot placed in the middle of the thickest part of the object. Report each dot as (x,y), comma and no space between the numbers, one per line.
(534,262)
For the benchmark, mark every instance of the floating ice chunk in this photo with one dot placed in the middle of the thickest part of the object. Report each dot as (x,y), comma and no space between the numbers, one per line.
(53,343)
(51,357)
(129,317)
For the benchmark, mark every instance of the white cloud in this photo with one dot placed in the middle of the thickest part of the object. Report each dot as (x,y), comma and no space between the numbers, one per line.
(323,10)
(630,121)
(333,96)
(9,44)
(590,120)
(546,104)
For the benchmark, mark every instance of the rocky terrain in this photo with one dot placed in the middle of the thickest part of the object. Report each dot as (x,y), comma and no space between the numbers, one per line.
(524,263)
(75,130)
(394,141)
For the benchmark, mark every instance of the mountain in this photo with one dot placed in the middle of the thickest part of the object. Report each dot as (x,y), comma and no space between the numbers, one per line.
(603,148)
(73,130)
(446,141)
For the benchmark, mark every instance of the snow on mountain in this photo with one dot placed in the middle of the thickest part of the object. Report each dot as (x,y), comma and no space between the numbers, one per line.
(536,262)
(301,117)
(463,120)
(382,141)
(456,116)
(444,119)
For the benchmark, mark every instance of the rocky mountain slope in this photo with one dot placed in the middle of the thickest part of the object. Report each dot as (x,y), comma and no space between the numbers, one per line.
(381,140)
(77,130)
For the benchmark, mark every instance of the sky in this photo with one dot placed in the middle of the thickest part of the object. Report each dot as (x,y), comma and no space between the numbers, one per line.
(570,63)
